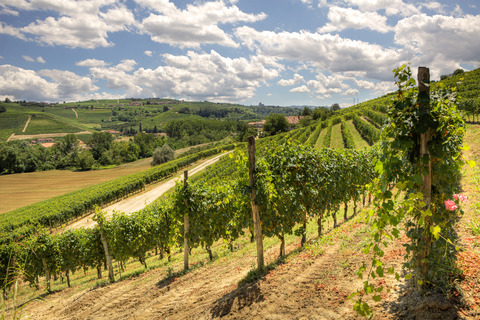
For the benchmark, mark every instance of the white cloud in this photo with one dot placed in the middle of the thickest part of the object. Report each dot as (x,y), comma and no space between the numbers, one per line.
(11,31)
(324,51)
(25,84)
(327,85)
(434,6)
(87,31)
(364,84)
(384,87)
(28,58)
(391,7)
(348,18)
(440,42)
(197,76)
(457,12)
(91,63)
(7,11)
(69,85)
(351,92)
(290,82)
(196,25)
(148,53)
(117,18)
(80,24)
(301,89)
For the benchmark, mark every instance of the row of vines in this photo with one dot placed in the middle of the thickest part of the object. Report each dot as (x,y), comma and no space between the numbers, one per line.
(294,184)
(55,211)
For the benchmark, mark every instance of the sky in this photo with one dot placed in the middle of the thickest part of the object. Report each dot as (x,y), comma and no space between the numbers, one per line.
(275,52)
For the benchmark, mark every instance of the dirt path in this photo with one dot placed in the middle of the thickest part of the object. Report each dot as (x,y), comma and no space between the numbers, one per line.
(76,114)
(42,135)
(139,202)
(26,124)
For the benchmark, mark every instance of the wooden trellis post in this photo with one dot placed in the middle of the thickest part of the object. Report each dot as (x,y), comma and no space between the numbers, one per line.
(255,213)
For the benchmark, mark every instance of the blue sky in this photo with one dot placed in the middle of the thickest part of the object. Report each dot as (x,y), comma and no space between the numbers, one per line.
(278,52)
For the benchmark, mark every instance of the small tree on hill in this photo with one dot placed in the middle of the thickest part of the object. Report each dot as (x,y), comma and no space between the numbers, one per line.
(335,107)
(275,123)
(162,154)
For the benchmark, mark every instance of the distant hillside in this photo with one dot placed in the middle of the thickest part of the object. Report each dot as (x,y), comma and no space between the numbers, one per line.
(125,115)
(467,84)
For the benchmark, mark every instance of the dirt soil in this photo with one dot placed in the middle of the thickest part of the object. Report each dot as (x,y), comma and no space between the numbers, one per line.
(41,135)
(309,284)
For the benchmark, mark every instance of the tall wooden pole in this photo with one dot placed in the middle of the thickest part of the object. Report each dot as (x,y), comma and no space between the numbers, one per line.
(425,167)
(186,248)
(424,105)
(255,212)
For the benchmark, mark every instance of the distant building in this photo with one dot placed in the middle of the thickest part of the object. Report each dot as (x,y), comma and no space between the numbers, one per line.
(294,120)
(44,140)
(160,134)
(115,133)
(257,124)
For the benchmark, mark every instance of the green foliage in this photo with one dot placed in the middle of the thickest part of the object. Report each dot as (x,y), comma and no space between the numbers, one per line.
(312,139)
(63,208)
(275,123)
(321,113)
(335,107)
(85,160)
(368,132)
(348,141)
(431,252)
(99,143)
(162,154)
(328,136)
(378,118)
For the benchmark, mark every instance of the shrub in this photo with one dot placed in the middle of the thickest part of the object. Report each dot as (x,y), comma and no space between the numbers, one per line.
(162,154)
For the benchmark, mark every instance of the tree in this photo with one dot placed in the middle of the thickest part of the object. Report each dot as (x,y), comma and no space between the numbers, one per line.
(321,113)
(458,71)
(335,107)
(162,154)
(85,160)
(275,123)
(99,143)
(70,143)
(306,111)
(3,108)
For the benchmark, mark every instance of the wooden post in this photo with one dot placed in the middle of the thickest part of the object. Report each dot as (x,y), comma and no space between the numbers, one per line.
(47,274)
(426,170)
(255,212)
(424,104)
(186,224)
(108,257)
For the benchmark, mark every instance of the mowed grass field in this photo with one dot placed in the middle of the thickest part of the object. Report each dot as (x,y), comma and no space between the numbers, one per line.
(18,190)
